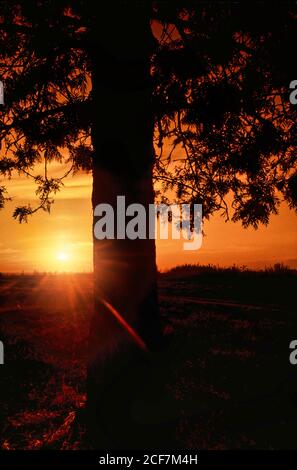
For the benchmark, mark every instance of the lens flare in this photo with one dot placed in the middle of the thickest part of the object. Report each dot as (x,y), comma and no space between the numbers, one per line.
(62,256)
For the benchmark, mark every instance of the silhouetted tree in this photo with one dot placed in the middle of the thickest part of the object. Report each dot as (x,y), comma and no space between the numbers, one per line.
(95,85)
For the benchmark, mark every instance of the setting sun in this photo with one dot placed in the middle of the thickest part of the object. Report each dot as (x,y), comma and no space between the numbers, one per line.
(62,256)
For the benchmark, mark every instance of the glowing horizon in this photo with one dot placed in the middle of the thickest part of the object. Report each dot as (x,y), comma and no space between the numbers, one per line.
(68,229)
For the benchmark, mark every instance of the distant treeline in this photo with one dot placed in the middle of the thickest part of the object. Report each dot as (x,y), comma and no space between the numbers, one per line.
(199,269)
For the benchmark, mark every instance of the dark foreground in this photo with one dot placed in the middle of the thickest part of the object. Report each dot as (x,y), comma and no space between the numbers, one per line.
(227,361)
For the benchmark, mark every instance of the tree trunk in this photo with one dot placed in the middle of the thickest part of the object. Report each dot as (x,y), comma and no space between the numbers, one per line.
(125,328)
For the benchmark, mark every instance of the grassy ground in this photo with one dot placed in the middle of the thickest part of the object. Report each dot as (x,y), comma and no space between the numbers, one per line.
(227,362)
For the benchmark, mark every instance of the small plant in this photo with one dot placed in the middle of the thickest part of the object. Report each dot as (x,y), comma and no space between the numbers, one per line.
(279,268)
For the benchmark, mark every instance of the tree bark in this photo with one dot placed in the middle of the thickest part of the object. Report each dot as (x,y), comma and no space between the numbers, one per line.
(125,328)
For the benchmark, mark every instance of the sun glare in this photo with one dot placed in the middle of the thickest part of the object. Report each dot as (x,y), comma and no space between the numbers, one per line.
(62,256)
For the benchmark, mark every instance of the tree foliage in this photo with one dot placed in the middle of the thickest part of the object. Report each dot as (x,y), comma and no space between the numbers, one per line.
(222,77)
(225,129)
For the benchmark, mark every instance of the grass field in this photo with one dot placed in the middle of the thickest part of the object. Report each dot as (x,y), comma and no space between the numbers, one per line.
(226,364)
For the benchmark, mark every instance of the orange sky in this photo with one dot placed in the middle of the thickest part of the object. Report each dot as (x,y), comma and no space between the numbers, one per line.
(62,241)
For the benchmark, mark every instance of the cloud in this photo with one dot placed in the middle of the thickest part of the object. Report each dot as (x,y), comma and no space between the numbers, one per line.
(75,187)
(8,251)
